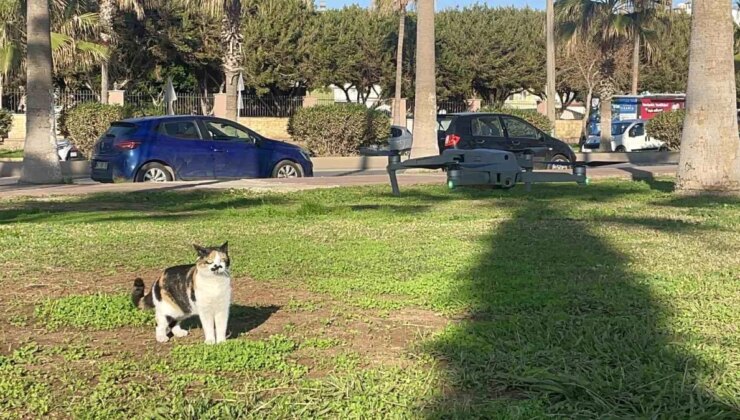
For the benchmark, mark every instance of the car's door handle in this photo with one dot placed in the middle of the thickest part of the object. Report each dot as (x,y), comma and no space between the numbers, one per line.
(218,150)
(514,141)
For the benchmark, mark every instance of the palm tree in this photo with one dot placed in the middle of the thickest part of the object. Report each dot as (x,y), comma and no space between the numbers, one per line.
(230,12)
(11,36)
(388,7)
(710,150)
(602,22)
(75,30)
(108,34)
(425,98)
(40,162)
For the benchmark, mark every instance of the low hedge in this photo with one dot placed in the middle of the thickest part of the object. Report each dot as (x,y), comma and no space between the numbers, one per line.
(338,129)
(667,127)
(530,115)
(6,123)
(86,122)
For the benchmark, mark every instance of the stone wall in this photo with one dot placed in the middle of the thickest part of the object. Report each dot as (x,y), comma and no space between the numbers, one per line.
(273,128)
(568,130)
(17,134)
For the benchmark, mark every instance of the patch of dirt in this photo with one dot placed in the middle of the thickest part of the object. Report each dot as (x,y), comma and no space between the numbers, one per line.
(260,310)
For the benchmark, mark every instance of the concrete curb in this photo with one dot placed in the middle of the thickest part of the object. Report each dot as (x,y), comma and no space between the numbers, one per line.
(357,164)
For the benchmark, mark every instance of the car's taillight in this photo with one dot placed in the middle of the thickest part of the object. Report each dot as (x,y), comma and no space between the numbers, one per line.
(126,144)
(452,140)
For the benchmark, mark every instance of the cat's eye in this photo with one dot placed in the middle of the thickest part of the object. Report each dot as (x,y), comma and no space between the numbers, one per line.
(209,261)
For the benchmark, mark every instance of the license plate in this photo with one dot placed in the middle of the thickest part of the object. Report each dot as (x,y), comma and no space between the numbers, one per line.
(101,165)
(74,154)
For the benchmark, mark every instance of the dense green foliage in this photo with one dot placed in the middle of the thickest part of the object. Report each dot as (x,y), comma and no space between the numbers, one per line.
(86,122)
(6,123)
(547,304)
(338,130)
(667,70)
(667,127)
(530,115)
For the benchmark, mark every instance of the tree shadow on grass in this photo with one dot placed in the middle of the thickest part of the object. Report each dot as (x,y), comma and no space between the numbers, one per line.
(559,324)
(150,206)
(242,319)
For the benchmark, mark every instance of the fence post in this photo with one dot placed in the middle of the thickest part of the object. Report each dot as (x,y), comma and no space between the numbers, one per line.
(309,101)
(116,97)
(473,105)
(219,105)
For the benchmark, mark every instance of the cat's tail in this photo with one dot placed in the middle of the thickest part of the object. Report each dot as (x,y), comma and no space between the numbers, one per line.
(141,299)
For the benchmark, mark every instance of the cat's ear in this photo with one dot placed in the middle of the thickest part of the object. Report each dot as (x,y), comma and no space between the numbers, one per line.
(225,247)
(202,252)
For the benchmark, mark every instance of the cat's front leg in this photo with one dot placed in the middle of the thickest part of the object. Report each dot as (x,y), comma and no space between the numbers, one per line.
(208,323)
(222,321)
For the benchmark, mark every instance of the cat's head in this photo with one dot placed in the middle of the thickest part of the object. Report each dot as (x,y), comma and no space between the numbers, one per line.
(213,259)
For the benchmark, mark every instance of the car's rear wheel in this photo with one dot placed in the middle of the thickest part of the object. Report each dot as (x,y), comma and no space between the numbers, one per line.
(287,169)
(620,149)
(664,148)
(559,162)
(154,172)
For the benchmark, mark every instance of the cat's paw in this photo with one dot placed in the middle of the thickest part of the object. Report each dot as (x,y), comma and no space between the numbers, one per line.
(179,332)
(210,341)
(163,338)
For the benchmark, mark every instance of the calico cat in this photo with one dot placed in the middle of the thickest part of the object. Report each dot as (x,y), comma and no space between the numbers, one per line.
(182,291)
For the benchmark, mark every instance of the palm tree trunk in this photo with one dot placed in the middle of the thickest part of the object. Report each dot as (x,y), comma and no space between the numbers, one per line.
(1,90)
(635,64)
(232,38)
(605,110)
(40,160)
(586,115)
(710,150)
(550,24)
(107,11)
(399,66)
(425,101)
(104,82)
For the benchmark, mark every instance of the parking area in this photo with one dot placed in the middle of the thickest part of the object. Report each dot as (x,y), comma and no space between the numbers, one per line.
(9,187)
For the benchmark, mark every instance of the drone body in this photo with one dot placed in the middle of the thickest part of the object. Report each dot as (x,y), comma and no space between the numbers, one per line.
(479,167)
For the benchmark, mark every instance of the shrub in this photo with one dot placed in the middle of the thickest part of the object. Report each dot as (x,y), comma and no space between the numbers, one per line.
(131,111)
(6,122)
(338,129)
(530,115)
(86,122)
(667,127)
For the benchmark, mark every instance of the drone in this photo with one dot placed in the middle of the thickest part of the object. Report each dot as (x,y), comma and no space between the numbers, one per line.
(476,167)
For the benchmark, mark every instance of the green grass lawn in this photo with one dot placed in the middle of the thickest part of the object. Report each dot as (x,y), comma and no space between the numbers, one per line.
(10,153)
(616,300)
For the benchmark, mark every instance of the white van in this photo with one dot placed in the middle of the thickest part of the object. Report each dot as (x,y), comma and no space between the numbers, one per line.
(627,136)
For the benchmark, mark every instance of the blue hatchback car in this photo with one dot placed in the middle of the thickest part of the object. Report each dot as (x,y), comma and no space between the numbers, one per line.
(189,147)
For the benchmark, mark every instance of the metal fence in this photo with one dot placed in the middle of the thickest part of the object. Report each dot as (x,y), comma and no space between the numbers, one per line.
(15,100)
(445,106)
(186,103)
(270,106)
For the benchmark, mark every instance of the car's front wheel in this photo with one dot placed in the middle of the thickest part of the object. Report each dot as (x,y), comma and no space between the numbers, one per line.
(154,172)
(559,162)
(620,149)
(287,169)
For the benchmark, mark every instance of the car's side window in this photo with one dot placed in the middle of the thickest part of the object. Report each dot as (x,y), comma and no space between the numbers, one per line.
(519,129)
(638,130)
(224,131)
(488,126)
(186,130)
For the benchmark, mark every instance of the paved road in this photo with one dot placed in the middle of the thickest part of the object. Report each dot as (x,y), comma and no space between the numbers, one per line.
(9,188)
